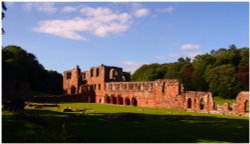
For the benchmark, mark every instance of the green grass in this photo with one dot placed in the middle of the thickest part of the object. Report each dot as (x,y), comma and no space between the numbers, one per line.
(107,123)
(221,101)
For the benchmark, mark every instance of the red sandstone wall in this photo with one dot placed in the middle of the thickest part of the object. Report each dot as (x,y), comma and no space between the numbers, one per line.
(241,103)
(141,91)
(73,81)
(200,101)
(96,81)
(160,93)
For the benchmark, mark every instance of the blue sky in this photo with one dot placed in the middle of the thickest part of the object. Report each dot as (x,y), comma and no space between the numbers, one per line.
(127,35)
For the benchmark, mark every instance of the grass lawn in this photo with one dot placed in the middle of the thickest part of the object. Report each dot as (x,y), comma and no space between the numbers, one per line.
(221,101)
(111,123)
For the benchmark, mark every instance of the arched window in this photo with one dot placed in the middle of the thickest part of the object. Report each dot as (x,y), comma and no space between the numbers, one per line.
(91,73)
(134,102)
(97,72)
(189,103)
(113,100)
(107,99)
(202,104)
(127,101)
(68,75)
(112,74)
(99,86)
(123,78)
(120,100)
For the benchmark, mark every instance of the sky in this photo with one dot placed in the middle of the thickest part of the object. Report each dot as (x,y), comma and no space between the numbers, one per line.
(124,34)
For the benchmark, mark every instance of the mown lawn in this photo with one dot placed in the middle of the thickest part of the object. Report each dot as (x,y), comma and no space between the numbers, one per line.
(221,101)
(110,123)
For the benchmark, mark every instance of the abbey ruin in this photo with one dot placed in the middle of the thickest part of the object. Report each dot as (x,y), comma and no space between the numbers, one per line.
(110,85)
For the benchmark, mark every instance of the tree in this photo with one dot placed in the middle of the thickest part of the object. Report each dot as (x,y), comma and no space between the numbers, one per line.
(18,64)
(200,64)
(222,81)
(203,72)
(243,76)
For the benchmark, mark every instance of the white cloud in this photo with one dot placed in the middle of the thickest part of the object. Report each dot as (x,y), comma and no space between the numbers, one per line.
(68,9)
(166,10)
(100,11)
(47,7)
(190,46)
(97,21)
(131,66)
(141,12)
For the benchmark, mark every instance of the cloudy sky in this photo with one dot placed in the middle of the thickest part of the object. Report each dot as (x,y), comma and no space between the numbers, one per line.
(64,34)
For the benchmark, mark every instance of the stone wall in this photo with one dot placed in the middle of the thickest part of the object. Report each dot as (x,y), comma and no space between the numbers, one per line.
(110,85)
(242,103)
(198,101)
(159,93)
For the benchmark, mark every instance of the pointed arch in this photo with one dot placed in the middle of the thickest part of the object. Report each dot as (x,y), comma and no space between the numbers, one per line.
(202,104)
(113,100)
(106,99)
(134,101)
(120,100)
(127,101)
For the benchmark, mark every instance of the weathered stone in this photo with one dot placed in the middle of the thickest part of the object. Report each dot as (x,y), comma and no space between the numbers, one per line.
(110,85)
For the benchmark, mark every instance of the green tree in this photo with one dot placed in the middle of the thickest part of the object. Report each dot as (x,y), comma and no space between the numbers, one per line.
(21,65)
(200,64)
(222,81)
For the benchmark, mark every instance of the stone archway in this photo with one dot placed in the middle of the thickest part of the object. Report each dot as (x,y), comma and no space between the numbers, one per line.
(202,104)
(113,100)
(189,103)
(134,101)
(127,101)
(107,99)
(119,100)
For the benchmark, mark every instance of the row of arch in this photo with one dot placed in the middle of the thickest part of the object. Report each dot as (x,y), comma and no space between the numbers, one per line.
(192,105)
(129,86)
(120,100)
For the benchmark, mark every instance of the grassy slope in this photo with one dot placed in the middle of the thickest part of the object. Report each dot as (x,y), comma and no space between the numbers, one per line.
(149,125)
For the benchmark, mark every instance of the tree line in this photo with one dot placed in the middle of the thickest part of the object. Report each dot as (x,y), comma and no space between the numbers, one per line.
(225,72)
(18,64)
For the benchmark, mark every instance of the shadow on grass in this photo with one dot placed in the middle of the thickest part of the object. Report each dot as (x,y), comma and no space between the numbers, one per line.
(51,126)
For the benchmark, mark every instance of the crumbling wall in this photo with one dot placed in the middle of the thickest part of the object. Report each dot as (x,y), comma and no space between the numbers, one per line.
(198,101)
(72,81)
(159,93)
(108,84)
(141,93)
(242,103)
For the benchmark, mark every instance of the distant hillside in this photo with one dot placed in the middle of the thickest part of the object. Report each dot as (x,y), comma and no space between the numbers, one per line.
(224,72)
